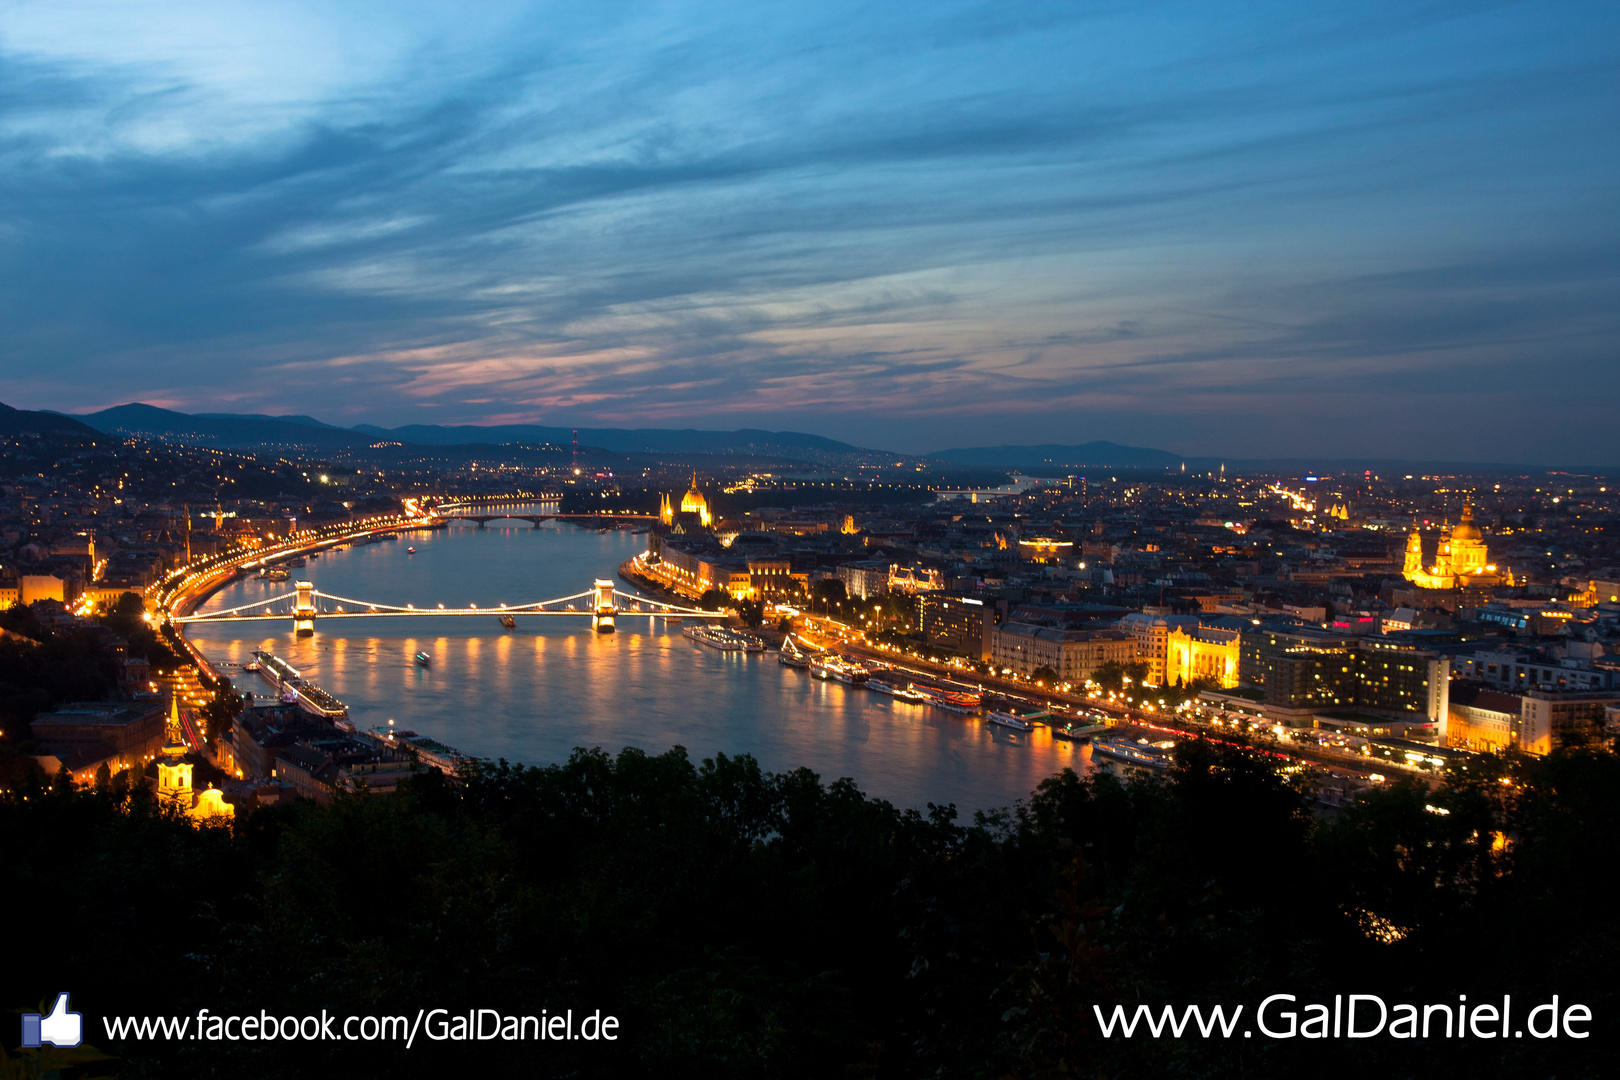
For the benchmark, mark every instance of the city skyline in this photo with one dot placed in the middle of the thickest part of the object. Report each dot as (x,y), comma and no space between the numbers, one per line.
(1366,231)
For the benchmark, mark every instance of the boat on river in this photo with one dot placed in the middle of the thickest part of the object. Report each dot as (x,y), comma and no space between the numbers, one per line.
(1009,720)
(830,666)
(794,653)
(424,659)
(1077,732)
(508,622)
(724,638)
(1151,755)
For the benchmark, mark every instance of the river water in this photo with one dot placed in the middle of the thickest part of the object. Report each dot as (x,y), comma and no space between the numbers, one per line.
(533,694)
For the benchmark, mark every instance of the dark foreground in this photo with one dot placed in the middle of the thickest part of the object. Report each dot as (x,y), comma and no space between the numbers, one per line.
(744,924)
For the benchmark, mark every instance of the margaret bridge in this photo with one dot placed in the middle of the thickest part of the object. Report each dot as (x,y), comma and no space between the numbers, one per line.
(601,603)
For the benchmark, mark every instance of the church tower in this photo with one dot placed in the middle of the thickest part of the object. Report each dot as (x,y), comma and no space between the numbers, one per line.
(174,775)
(1414,553)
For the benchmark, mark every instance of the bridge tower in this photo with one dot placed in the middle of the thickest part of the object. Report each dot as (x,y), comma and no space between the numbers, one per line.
(603,609)
(304,609)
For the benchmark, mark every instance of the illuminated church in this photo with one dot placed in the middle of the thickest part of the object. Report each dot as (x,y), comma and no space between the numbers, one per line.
(693,502)
(174,788)
(1461,562)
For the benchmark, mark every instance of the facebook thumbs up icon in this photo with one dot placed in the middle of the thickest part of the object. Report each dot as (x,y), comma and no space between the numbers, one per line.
(61,1028)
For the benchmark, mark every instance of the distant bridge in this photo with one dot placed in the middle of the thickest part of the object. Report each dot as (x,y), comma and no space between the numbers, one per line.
(536,519)
(601,603)
(506,508)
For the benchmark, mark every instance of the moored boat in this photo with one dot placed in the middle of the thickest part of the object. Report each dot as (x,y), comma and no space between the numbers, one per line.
(829,666)
(724,638)
(1134,751)
(1009,720)
(1077,732)
(792,654)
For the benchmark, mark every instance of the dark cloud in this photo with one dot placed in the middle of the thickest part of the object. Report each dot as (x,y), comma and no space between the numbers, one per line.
(1167,222)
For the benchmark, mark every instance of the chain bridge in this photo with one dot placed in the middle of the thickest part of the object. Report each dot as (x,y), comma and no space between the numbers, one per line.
(602,603)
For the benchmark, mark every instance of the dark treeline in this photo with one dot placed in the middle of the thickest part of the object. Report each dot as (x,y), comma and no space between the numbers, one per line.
(745,924)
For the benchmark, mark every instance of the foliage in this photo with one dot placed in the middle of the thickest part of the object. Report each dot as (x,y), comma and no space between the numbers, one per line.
(1113,674)
(744,924)
(828,591)
(62,667)
(1044,674)
(125,618)
(715,600)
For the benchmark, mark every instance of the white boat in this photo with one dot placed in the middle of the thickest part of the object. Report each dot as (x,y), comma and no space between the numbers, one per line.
(1141,752)
(1008,720)
(791,654)
(828,666)
(723,638)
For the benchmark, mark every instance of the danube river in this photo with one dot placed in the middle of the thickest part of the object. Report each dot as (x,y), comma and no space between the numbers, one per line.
(535,693)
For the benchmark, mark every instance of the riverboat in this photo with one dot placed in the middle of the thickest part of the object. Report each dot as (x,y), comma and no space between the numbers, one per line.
(792,654)
(424,659)
(297,561)
(1151,755)
(1078,732)
(828,666)
(723,638)
(428,751)
(508,622)
(1009,720)
(410,551)
(952,701)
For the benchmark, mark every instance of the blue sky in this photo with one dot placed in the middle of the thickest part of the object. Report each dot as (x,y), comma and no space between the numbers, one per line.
(1237,229)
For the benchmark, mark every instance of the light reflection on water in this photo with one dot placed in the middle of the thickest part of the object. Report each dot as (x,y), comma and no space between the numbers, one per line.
(534,693)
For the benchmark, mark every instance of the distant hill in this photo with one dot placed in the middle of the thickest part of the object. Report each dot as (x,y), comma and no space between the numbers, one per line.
(255,430)
(221,430)
(619,440)
(306,421)
(1050,456)
(26,422)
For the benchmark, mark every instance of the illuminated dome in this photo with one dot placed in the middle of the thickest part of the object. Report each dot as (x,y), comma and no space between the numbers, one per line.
(693,502)
(1465,528)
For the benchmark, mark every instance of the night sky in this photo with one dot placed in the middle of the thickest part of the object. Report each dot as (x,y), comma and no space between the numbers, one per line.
(1240,229)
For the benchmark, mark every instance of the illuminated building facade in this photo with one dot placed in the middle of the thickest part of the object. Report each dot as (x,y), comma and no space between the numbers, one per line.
(1202,653)
(1073,654)
(1300,668)
(174,787)
(694,504)
(960,624)
(1045,550)
(1461,560)
(1152,634)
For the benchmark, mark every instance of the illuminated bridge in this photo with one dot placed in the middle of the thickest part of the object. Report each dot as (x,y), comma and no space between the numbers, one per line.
(601,603)
(485,511)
